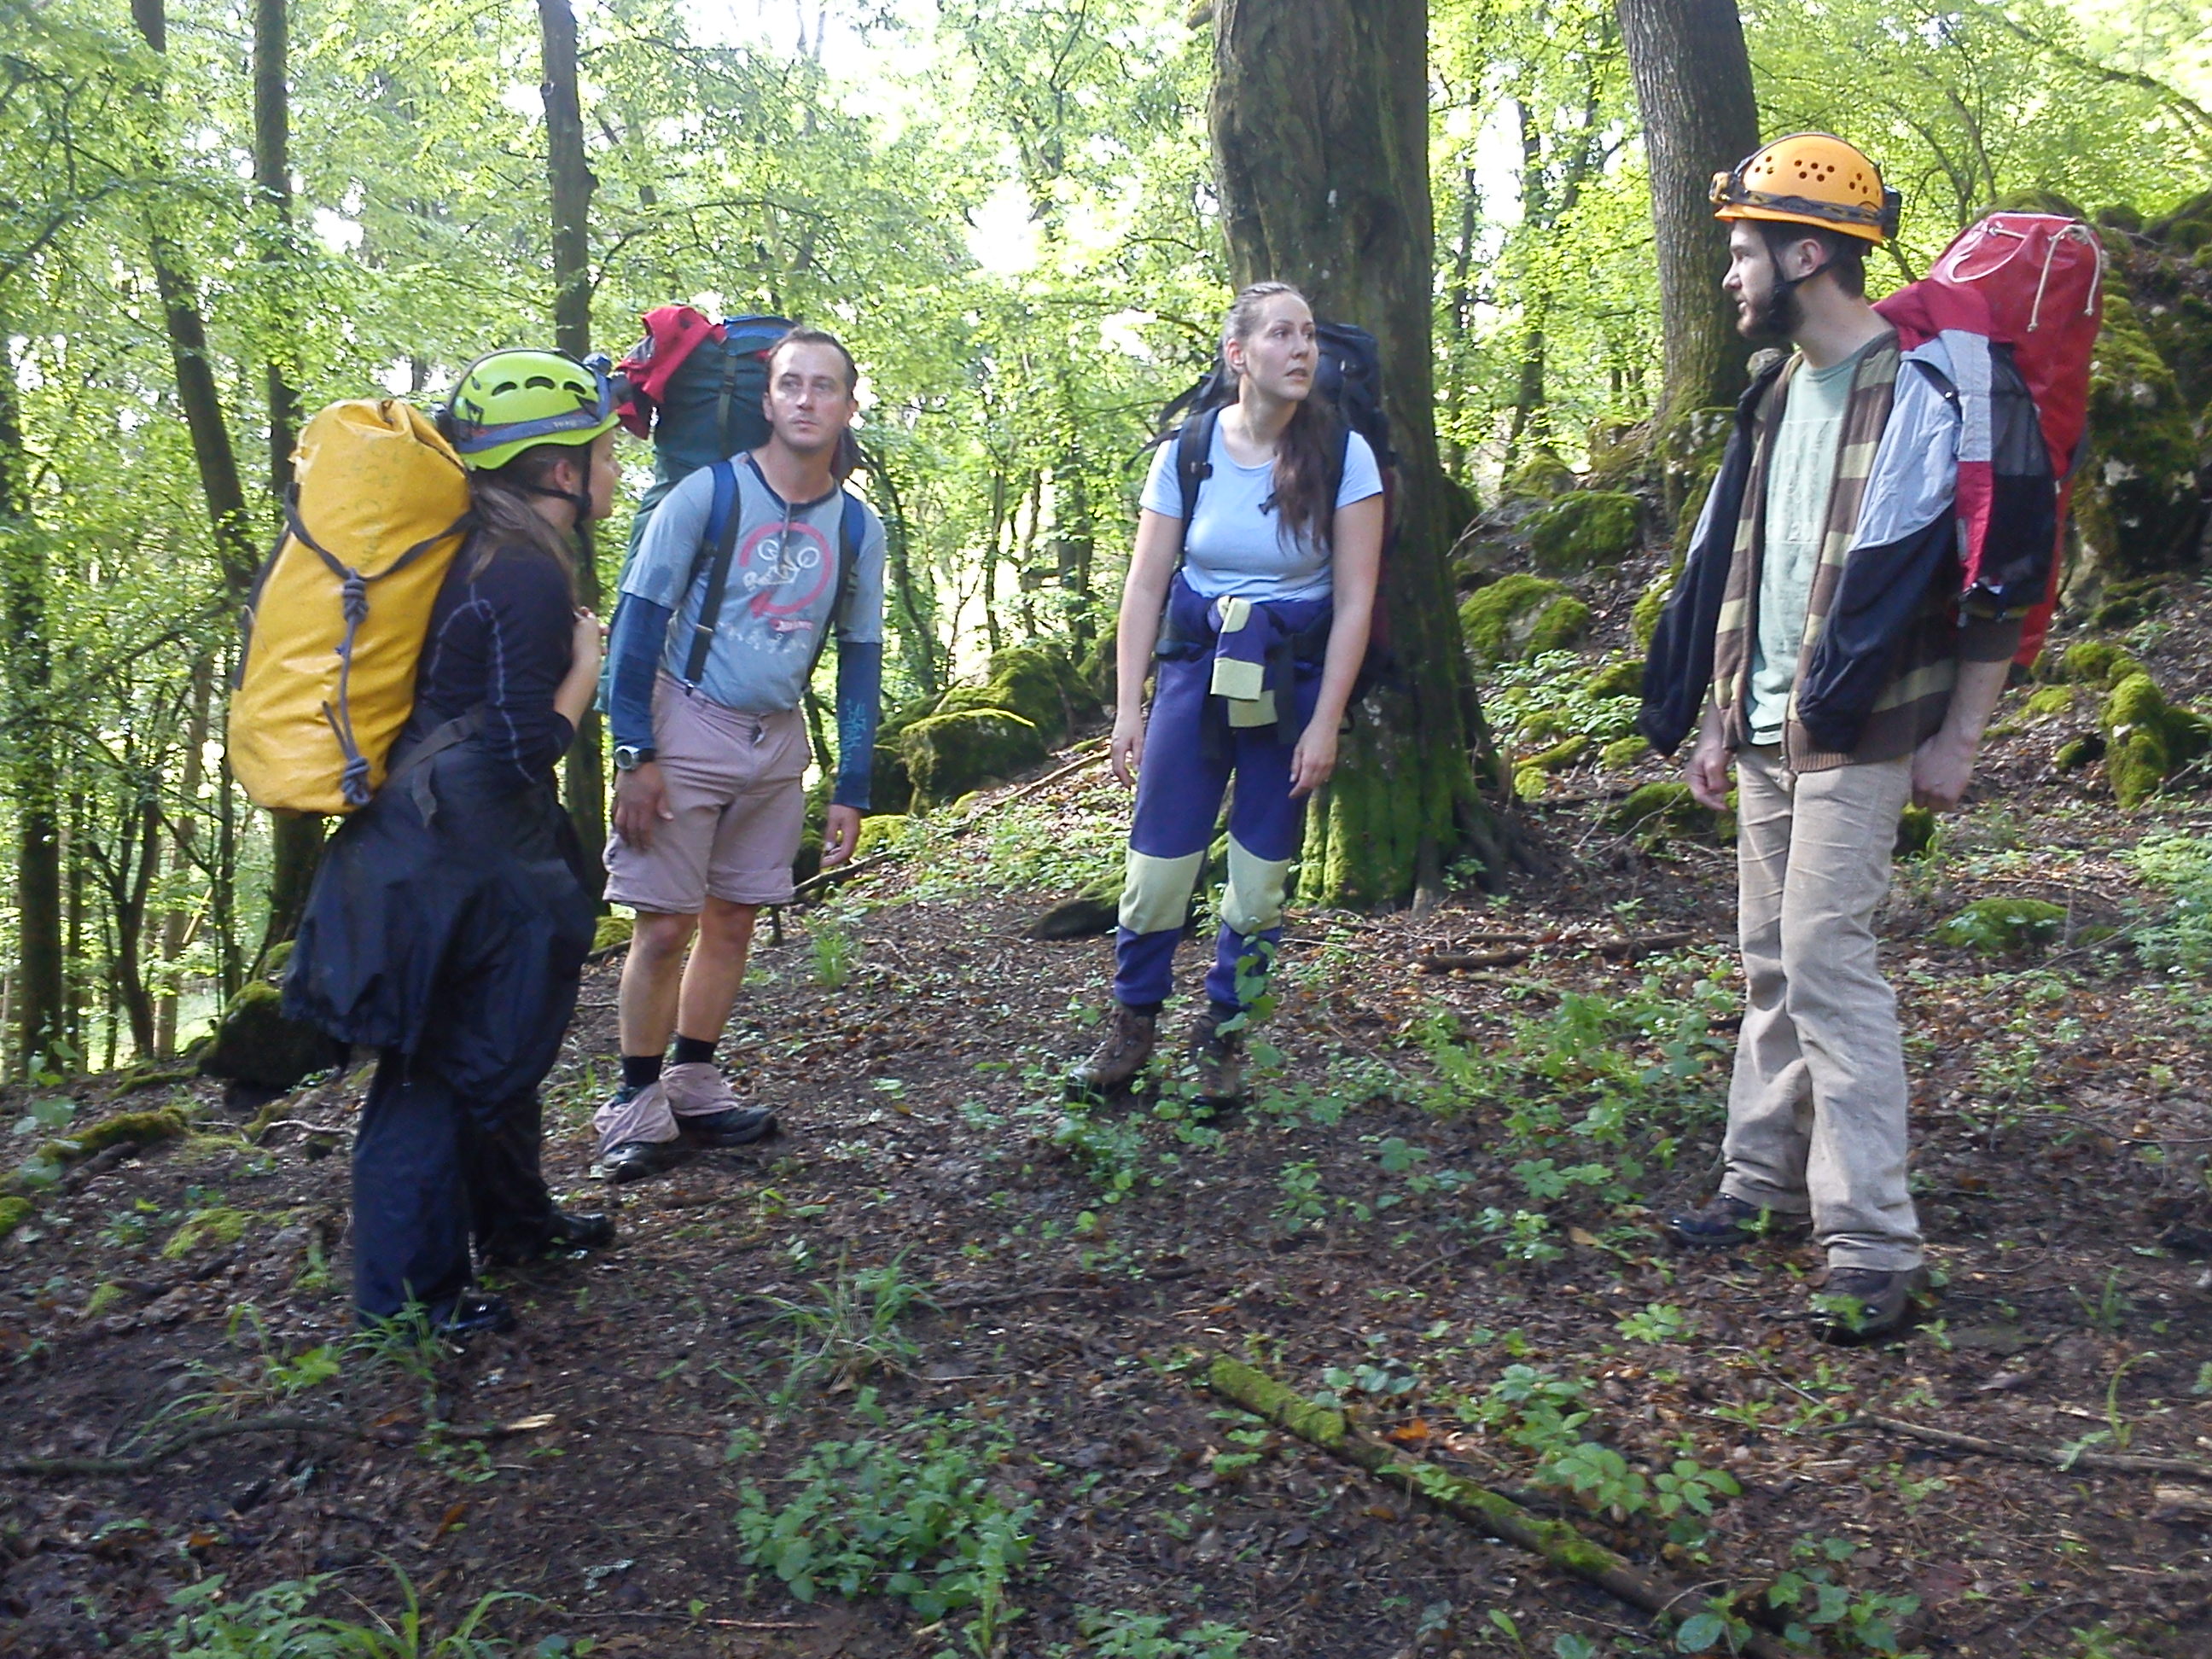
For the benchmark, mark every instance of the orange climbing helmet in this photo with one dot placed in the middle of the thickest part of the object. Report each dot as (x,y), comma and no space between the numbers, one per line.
(1810,178)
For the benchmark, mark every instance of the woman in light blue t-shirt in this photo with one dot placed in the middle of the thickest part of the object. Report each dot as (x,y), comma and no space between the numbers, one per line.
(1254,621)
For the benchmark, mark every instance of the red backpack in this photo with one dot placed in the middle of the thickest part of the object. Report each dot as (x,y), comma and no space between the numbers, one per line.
(2032,283)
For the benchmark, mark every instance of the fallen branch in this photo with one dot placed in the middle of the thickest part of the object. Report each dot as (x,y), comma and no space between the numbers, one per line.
(1455,962)
(146,1462)
(1557,1542)
(2126,1462)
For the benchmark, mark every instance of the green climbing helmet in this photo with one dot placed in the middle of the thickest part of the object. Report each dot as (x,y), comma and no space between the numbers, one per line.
(510,401)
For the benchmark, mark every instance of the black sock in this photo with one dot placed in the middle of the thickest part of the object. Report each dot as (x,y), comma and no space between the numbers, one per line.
(640,1070)
(690,1051)
(1146,1008)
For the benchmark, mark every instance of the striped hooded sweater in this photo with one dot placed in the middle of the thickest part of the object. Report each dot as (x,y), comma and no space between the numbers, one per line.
(1885,627)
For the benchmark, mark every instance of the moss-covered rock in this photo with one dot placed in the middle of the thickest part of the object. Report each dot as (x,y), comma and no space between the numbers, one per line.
(1916,832)
(1622,753)
(1096,667)
(1519,617)
(1089,914)
(1582,530)
(2135,498)
(1541,477)
(1559,755)
(2076,753)
(612,932)
(2097,663)
(2004,927)
(2124,604)
(1657,811)
(948,754)
(879,833)
(1622,678)
(2046,701)
(275,961)
(14,1212)
(2148,738)
(1038,682)
(255,1043)
(1643,619)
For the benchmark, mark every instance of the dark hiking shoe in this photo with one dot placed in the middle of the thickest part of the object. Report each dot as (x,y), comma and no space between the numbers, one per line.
(565,1233)
(1218,1056)
(636,1160)
(735,1126)
(475,1313)
(1728,1221)
(1119,1056)
(1864,1304)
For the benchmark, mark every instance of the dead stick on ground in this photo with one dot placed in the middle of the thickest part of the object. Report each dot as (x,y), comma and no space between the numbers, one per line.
(1453,962)
(1556,1542)
(161,1454)
(2126,1462)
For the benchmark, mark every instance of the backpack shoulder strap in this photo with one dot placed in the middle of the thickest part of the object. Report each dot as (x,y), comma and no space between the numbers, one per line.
(717,548)
(852,531)
(1193,466)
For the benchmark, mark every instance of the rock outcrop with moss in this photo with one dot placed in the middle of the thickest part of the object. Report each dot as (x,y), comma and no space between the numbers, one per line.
(2135,500)
(1582,530)
(1657,811)
(1518,617)
(255,1044)
(947,755)
(2148,739)
(1541,477)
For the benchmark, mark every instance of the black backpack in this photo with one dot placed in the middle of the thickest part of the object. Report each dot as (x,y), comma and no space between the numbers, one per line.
(1348,376)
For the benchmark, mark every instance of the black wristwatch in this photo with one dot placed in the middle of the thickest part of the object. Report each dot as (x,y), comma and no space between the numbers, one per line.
(629,757)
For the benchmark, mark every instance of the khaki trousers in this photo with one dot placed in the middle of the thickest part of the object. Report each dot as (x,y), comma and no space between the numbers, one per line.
(1817,1105)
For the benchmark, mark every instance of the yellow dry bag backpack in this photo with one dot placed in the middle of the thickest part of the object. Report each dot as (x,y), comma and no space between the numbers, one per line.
(340,612)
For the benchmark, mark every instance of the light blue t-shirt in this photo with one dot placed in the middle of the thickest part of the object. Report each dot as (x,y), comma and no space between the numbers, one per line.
(783,582)
(1236,547)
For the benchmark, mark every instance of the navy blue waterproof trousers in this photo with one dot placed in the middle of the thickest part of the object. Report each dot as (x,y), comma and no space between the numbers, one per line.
(1192,754)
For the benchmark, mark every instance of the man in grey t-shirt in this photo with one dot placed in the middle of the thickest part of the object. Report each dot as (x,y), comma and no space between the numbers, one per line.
(710,748)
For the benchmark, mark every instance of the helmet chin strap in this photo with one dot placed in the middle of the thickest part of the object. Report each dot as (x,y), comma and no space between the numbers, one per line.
(1777,317)
(581,502)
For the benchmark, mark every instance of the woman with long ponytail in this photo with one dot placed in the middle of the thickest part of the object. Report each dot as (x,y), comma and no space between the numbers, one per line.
(448,924)
(1252,618)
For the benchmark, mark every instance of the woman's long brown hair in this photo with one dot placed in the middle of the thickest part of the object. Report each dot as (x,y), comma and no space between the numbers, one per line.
(1306,454)
(504,503)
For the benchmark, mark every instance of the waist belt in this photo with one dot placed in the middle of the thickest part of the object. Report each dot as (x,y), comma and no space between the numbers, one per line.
(410,759)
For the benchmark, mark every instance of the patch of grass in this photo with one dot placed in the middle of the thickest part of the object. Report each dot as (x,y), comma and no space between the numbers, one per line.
(851,1331)
(274,1624)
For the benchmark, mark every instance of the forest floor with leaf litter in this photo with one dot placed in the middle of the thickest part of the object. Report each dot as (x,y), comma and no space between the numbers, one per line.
(943,1344)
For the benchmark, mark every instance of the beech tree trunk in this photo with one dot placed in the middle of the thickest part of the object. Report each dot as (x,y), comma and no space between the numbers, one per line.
(1320,137)
(33,779)
(1692,79)
(584,773)
(296,839)
(197,397)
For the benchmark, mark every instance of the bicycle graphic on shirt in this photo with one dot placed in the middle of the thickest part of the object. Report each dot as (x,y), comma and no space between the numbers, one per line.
(786,577)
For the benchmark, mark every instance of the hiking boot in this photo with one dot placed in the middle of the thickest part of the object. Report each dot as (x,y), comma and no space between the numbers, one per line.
(1219,1057)
(1864,1304)
(709,1112)
(564,1233)
(476,1313)
(635,1160)
(1728,1221)
(1119,1056)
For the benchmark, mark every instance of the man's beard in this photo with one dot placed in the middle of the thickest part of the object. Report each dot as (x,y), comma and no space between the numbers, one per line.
(1774,321)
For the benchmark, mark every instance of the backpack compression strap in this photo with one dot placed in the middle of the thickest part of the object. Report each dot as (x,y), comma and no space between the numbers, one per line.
(852,528)
(719,544)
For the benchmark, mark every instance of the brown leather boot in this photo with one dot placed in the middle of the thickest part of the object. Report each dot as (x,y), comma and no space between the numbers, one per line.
(1219,1057)
(1119,1056)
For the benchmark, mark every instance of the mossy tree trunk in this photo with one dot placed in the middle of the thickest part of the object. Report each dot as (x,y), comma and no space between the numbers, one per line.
(1320,119)
(1693,77)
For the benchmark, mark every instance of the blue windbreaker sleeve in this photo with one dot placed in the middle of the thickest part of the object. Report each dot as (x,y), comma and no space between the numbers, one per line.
(860,710)
(635,642)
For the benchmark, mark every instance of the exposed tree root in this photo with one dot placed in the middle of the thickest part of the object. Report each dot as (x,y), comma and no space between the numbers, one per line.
(1557,1542)
(2127,1462)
